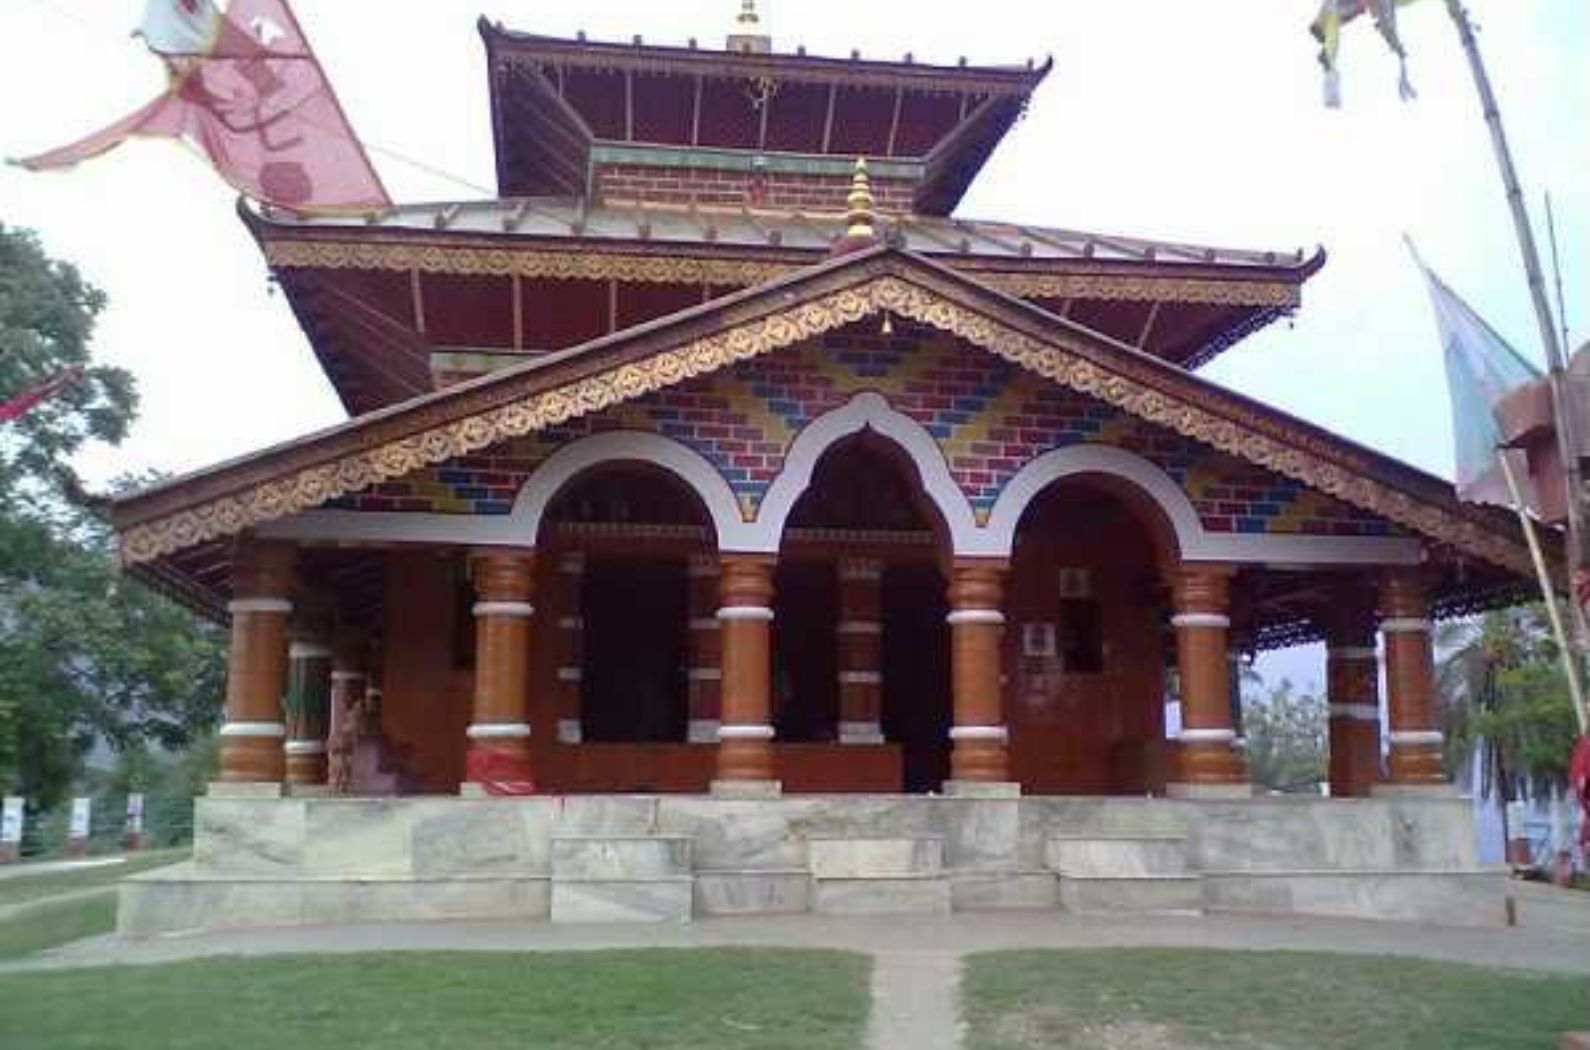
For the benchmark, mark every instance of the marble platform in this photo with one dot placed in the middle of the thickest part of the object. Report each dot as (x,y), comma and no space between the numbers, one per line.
(286,860)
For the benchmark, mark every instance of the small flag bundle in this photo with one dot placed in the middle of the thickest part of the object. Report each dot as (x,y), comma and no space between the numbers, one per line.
(1327,29)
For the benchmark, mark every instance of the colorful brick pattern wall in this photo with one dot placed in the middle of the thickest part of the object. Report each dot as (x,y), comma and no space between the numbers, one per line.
(990,418)
(707,187)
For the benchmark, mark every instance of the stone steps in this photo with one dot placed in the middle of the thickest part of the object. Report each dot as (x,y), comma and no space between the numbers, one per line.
(621,878)
(874,875)
(1124,873)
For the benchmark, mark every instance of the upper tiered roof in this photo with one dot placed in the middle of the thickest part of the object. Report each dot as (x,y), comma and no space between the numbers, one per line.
(560,105)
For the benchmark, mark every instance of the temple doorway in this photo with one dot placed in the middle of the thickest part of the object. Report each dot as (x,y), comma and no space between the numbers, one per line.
(633,670)
(862,548)
(1085,644)
(633,528)
(916,673)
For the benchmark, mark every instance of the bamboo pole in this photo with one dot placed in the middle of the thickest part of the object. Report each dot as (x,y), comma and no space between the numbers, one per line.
(1570,665)
(1567,440)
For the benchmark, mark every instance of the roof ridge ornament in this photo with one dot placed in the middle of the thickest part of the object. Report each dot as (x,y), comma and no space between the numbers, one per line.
(860,226)
(748,36)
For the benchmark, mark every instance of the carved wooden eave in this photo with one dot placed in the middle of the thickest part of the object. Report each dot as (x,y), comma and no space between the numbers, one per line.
(227,500)
(564,261)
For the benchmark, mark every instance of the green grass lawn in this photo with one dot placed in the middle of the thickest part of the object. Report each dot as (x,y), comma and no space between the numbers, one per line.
(1180,999)
(15,889)
(745,999)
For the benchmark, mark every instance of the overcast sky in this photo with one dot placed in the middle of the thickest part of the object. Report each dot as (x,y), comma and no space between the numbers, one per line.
(1162,118)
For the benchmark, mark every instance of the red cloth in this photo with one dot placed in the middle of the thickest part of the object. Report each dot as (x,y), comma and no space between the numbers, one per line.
(19,405)
(499,772)
(258,105)
(1579,784)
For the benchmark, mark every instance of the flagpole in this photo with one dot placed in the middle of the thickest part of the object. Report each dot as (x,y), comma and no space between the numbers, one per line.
(1570,665)
(1567,440)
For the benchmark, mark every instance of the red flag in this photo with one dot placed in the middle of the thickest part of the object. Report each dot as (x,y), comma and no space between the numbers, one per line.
(258,105)
(1579,784)
(19,405)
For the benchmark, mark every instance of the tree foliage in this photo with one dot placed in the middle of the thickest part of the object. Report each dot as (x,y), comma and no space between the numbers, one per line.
(1506,700)
(90,660)
(47,314)
(1286,739)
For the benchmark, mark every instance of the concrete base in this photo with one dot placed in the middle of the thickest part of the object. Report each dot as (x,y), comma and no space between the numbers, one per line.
(1416,791)
(905,895)
(242,789)
(665,899)
(1167,893)
(746,789)
(785,892)
(999,891)
(1209,791)
(263,860)
(182,897)
(1477,898)
(981,789)
(308,790)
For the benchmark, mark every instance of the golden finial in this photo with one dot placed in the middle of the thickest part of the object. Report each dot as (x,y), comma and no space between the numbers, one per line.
(748,35)
(858,218)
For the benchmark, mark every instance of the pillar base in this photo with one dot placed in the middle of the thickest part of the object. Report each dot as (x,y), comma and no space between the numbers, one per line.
(982,789)
(243,789)
(702,731)
(1213,790)
(860,733)
(747,788)
(1441,790)
(308,791)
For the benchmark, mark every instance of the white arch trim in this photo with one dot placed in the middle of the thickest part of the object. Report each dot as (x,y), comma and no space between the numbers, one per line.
(869,410)
(642,446)
(762,536)
(520,525)
(1194,541)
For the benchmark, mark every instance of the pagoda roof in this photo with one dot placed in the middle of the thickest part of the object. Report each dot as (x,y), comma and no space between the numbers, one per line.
(177,533)
(1183,302)
(809,231)
(554,100)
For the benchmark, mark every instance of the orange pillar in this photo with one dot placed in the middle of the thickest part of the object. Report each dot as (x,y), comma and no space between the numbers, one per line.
(256,678)
(1414,722)
(860,631)
(978,737)
(498,759)
(705,672)
(1352,686)
(1211,765)
(745,614)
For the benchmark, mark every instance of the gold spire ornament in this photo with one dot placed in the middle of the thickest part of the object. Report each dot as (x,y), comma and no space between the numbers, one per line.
(860,224)
(748,36)
(859,216)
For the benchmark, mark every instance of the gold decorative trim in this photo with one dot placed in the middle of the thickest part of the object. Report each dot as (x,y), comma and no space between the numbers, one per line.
(601,266)
(1142,289)
(1062,358)
(518,262)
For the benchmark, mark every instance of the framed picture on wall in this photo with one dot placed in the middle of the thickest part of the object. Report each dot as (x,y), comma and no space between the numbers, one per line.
(1038,639)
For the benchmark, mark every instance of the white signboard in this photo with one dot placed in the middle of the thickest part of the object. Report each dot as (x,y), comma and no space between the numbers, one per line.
(135,813)
(11,819)
(79,825)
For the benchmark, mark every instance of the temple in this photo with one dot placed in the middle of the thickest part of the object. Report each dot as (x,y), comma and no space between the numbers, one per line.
(724,525)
